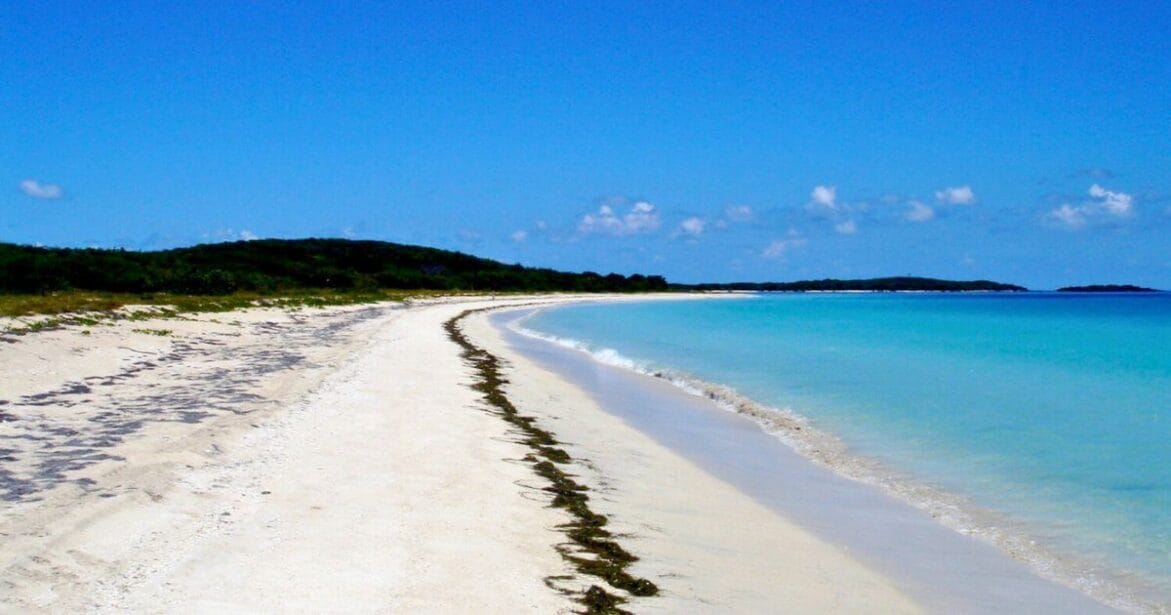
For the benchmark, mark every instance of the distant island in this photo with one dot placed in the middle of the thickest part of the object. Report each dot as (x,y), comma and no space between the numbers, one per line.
(895,284)
(1107,288)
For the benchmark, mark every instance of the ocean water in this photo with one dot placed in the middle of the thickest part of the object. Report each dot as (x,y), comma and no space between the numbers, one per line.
(1039,421)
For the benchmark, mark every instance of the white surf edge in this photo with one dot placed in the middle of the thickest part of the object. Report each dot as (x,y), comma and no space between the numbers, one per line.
(1005,533)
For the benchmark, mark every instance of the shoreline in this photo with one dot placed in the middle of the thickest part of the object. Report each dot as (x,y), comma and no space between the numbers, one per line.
(793,431)
(1106,581)
(708,545)
(308,459)
(592,549)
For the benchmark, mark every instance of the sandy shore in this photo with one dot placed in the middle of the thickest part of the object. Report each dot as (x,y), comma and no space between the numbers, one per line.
(340,459)
(709,547)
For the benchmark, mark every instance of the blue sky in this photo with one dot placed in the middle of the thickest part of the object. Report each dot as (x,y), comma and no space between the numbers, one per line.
(1021,142)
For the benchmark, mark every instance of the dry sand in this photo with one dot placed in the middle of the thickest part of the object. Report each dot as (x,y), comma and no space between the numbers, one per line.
(329,460)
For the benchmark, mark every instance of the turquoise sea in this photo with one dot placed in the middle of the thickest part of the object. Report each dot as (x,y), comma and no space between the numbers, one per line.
(1040,421)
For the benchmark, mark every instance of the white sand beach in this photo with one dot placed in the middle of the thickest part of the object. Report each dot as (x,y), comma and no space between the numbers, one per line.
(339,459)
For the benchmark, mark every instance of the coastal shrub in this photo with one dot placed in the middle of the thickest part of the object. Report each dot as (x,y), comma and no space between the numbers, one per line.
(275,265)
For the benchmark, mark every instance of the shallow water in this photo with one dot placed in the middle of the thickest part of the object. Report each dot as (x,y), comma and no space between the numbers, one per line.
(1044,417)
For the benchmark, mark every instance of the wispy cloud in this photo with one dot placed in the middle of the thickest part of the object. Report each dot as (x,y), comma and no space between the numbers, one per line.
(823,203)
(779,248)
(39,190)
(917,211)
(642,217)
(958,195)
(738,213)
(227,234)
(693,226)
(519,235)
(1102,206)
(1114,203)
(1069,216)
(847,227)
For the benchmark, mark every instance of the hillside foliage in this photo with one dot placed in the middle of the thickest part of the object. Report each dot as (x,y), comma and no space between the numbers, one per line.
(276,265)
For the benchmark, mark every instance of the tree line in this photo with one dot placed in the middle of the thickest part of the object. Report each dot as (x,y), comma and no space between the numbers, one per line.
(274,265)
(902,283)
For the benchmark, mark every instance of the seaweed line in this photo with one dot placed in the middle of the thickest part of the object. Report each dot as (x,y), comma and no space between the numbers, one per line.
(591,548)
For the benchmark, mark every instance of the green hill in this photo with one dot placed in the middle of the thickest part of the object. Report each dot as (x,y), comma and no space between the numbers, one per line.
(274,265)
(278,265)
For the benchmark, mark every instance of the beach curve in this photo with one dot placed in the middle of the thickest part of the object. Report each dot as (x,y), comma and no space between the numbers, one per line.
(350,465)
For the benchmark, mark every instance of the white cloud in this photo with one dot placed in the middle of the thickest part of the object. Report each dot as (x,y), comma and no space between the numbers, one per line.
(643,217)
(849,227)
(1104,205)
(1072,217)
(693,226)
(958,195)
(519,235)
(37,190)
(844,215)
(780,247)
(1114,203)
(825,196)
(738,213)
(919,212)
(227,234)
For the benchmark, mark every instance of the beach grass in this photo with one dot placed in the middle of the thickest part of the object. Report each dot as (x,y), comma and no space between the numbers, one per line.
(79,301)
(32,313)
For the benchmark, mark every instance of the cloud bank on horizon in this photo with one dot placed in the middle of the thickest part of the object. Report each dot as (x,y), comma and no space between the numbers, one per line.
(739,147)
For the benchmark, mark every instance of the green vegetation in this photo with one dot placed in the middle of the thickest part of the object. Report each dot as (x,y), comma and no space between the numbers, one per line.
(275,266)
(158,332)
(318,272)
(592,549)
(1106,288)
(874,285)
(167,304)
